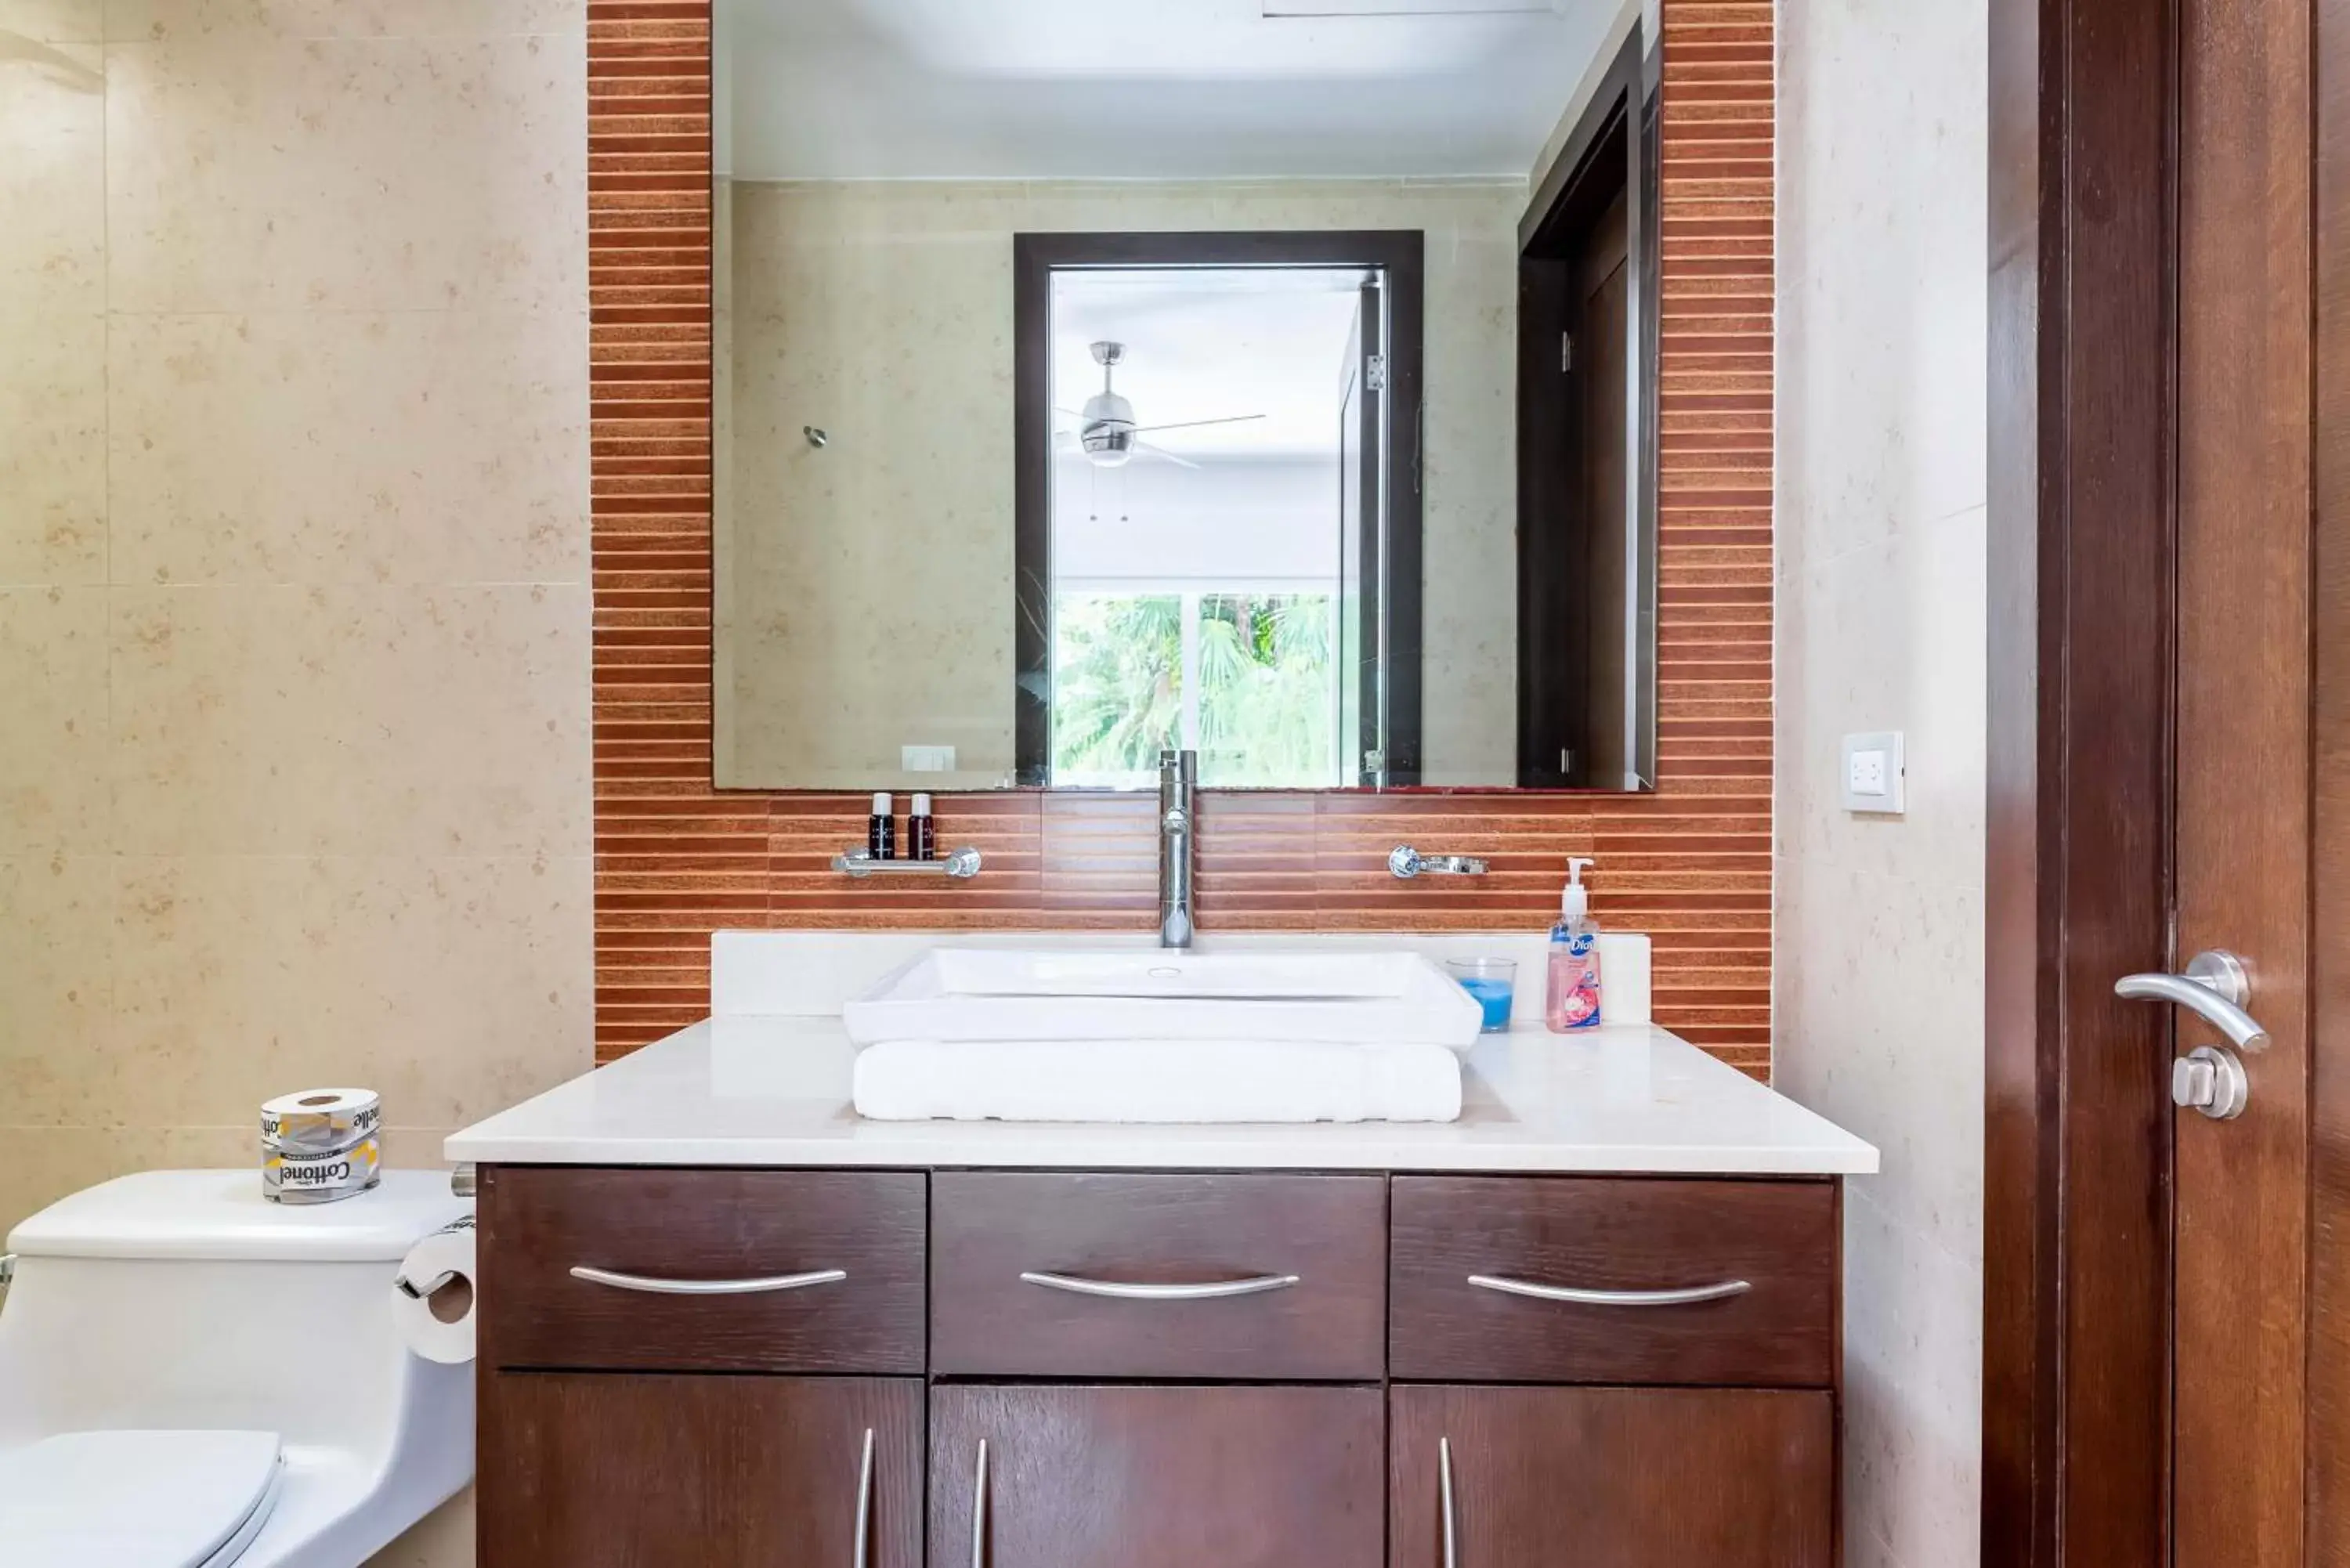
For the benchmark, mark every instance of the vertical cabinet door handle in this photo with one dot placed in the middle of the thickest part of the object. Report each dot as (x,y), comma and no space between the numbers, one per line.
(978,1511)
(865,1503)
(1444,1493)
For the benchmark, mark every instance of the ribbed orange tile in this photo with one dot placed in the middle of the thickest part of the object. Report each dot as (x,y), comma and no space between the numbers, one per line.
(675,860)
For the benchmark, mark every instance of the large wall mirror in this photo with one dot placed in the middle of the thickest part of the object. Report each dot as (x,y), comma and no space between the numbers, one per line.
(1274,378)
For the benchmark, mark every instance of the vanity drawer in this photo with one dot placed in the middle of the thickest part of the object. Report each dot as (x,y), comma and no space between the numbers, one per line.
(1053,1275)
(1620,1281)
(702,1271)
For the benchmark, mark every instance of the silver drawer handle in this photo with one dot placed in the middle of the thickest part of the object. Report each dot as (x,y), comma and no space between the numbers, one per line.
(708,1287)
(1444,1486)
(865,1500)
(1118,1290)
(1688,1297)
(978,1511)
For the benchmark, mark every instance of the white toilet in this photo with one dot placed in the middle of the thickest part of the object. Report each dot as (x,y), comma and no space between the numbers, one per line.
(192,1376)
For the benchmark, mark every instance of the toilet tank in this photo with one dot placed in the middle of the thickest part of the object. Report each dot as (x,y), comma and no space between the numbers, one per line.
(185,1298)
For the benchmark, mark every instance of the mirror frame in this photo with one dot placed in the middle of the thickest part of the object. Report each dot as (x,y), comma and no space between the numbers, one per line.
(1630,90)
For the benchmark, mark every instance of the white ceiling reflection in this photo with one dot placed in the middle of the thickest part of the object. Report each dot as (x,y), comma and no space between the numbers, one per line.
(831,89)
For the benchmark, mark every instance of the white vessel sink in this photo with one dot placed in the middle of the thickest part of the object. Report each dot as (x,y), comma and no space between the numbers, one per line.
(977,994)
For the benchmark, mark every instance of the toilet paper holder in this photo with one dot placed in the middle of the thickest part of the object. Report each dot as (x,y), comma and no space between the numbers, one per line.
(430,1287)
(461,1183)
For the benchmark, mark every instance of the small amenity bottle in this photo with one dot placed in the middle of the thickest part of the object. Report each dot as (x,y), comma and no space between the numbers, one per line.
(921,831)
(1571,999)
(881,828)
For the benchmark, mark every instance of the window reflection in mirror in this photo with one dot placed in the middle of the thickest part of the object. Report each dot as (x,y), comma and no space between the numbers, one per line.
(1291,400)
(1209,540)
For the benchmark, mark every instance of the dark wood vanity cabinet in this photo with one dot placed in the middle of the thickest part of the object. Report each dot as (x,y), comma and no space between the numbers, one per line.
(1144,1475)
(1633,1478)
(774,1369)
(598,1470)
(1037,1274)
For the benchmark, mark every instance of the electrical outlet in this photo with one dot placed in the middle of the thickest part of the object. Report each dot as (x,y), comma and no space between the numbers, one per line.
(1873,772)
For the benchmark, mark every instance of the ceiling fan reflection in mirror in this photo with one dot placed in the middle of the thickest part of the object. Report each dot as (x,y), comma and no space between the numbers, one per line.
(1107,431)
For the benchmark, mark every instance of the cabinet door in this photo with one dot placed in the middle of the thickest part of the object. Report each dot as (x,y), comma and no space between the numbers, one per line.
(1156,1477)
(1633,1478)
(626,1471)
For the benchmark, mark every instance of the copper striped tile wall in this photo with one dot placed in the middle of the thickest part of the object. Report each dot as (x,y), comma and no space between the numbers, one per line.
(675,860)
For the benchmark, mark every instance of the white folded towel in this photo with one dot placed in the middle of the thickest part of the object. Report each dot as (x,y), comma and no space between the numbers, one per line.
(1156,1081)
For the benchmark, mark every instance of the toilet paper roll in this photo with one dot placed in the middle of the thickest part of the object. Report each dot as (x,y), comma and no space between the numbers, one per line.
(319,1121)
(289,1176)
(433,1296)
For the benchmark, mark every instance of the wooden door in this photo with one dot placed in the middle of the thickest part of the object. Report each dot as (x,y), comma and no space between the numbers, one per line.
(1631,1477)
(2167,1357)
(1576,544)
(1603,362)
(2243,770)
(629,1470)
(1142,1477)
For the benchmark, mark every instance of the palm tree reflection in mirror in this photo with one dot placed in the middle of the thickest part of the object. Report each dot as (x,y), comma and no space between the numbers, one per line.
(1245,678)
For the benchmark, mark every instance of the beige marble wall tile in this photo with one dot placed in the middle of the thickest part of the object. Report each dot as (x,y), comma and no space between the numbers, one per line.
(53,684)
(324,447)
(57,991)
(1469,605)
(399,187)
(453,987)
(155,21)
(722,688)
(870,583)
(250,174)
(1897,627)
(442,1539)
(52,174)
(1879,958)
(351,720)
(1887,974)
(39,1164)
(53,21)
(52,446)
(1913,1395)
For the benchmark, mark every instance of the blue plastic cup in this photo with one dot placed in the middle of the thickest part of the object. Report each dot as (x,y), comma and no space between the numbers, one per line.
(1493,981)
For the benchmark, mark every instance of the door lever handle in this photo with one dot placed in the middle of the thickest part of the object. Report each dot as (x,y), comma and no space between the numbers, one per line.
(2214,987)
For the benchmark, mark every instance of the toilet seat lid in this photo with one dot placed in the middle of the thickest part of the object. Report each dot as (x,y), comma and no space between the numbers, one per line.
(138,1499)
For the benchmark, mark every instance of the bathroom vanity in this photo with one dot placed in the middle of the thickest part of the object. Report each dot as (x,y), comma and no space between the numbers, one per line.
(1599,1311)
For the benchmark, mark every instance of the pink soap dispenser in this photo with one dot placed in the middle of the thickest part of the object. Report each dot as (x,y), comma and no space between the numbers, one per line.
(1572,996)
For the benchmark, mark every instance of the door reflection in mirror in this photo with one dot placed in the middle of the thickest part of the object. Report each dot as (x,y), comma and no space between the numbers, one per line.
(1212,563)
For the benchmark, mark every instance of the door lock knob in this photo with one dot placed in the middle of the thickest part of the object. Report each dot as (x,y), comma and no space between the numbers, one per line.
(2212,1081)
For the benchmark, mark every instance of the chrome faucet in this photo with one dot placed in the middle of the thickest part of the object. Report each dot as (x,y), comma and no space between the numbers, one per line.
(1179,775)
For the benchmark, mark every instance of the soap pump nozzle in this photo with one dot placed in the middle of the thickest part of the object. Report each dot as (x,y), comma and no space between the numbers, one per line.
(1574,901)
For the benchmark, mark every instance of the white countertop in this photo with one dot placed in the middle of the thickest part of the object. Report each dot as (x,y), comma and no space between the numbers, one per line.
(774,1091)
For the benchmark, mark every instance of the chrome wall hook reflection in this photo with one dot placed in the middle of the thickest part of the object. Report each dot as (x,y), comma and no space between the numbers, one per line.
(1404,861)
(818,439)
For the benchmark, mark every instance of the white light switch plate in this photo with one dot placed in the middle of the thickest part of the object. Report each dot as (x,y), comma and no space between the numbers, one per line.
(926,759)
(1872,773)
